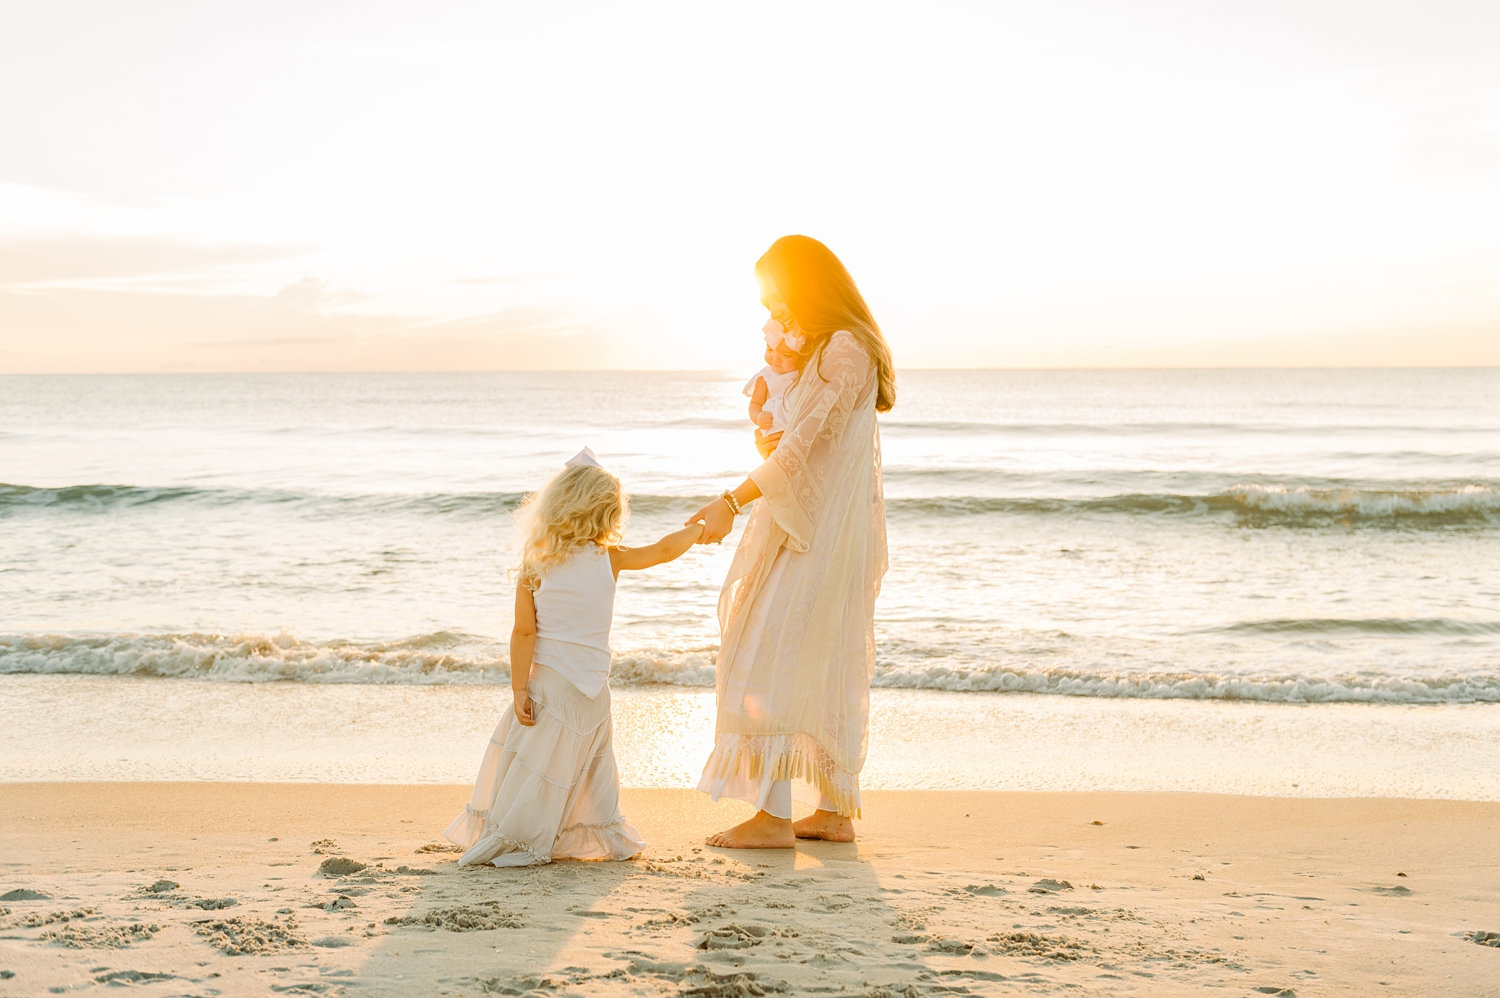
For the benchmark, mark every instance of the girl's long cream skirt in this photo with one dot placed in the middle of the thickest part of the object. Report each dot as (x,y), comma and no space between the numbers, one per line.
(551,790)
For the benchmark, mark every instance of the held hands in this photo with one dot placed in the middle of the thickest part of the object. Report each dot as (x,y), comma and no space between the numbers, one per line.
(716,519)
(718,516)
(764,420)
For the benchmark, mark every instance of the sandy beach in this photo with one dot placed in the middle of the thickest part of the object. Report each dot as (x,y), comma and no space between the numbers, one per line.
(222,888)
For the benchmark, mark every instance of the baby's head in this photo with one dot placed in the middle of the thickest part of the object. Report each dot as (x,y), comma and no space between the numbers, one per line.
(581,505)
(781,358)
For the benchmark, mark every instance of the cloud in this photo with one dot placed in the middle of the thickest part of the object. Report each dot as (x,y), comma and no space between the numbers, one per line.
(497,279)
(313,294)
(554,277)
(76,330)
(42,259)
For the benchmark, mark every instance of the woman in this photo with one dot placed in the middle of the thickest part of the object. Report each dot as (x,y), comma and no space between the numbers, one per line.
(797,610)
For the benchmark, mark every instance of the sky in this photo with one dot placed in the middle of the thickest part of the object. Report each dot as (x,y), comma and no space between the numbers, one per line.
(318,186)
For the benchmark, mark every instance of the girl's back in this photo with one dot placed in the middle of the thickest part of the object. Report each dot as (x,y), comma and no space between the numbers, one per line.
(574,605)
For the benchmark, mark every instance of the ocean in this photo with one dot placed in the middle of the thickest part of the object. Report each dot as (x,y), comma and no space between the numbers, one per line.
(1268,581)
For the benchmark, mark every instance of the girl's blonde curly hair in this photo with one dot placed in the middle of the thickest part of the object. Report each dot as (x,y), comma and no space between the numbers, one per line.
(580,505)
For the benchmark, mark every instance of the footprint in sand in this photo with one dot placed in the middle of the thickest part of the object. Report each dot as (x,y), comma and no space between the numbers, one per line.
(250,936)
(130,978)
(25,894)
(831,903)
(463,918)
(732,937)
(953,947)
(526,985)
(339,866)
(1398,891)
(37,918)
(743,985)
(414,871)
(1049,886)
(116,936)
(166,892)
(440,847)
(895,991)
(984,890)
(333,942)
(1037,944)
(214,904)
(326,990)
(1483,938)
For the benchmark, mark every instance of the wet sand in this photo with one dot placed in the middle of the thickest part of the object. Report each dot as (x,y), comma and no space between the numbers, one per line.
(238,888)
(294,732)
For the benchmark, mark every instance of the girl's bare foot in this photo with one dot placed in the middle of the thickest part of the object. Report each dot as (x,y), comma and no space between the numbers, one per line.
(764,831)
(826,825)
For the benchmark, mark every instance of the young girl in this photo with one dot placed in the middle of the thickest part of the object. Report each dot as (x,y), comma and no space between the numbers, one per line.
(547,786)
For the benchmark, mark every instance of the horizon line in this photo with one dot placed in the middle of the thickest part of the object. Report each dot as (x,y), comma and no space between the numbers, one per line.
(734,373)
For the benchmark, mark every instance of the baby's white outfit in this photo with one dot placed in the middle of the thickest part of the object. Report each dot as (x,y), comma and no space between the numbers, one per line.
(776,386)
(551,790)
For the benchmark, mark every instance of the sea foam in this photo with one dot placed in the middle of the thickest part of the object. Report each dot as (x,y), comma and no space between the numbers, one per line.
(1479,502)
(1287,505)
(447,657)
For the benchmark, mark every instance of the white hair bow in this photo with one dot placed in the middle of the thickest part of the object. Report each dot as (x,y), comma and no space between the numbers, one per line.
(584,458)
(776,334)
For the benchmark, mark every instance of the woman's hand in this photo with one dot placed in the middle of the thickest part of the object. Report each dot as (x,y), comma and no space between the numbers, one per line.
(717,521)
(766,443)
(524,713)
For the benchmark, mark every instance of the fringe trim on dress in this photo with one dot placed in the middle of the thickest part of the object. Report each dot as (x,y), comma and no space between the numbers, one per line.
(794,756)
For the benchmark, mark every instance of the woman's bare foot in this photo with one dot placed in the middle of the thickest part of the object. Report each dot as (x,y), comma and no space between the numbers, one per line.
(764,831)
(826,825)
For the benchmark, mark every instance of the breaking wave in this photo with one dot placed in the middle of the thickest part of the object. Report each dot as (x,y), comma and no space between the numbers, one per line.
(447,657)
(1283,505)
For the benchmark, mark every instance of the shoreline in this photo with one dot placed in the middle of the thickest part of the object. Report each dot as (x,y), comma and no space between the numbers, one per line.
(919,739)
(183,887)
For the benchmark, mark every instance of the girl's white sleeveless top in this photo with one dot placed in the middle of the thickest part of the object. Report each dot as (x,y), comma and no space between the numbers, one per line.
(574,606)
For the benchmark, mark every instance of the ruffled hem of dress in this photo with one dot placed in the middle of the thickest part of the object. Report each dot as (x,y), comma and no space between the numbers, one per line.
(467,828)
(612,840)
(501,850)
(793,756)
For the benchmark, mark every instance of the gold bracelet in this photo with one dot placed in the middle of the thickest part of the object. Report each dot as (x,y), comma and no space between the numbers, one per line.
(731,502)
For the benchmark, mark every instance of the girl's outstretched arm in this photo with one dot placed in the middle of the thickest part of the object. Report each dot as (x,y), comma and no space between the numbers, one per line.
(668,548)
(522,645)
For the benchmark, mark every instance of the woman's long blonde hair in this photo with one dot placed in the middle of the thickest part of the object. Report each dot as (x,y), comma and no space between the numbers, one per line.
(823,298)
(580,505)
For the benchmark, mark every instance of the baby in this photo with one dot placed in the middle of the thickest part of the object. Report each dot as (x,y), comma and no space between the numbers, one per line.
(767,389)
